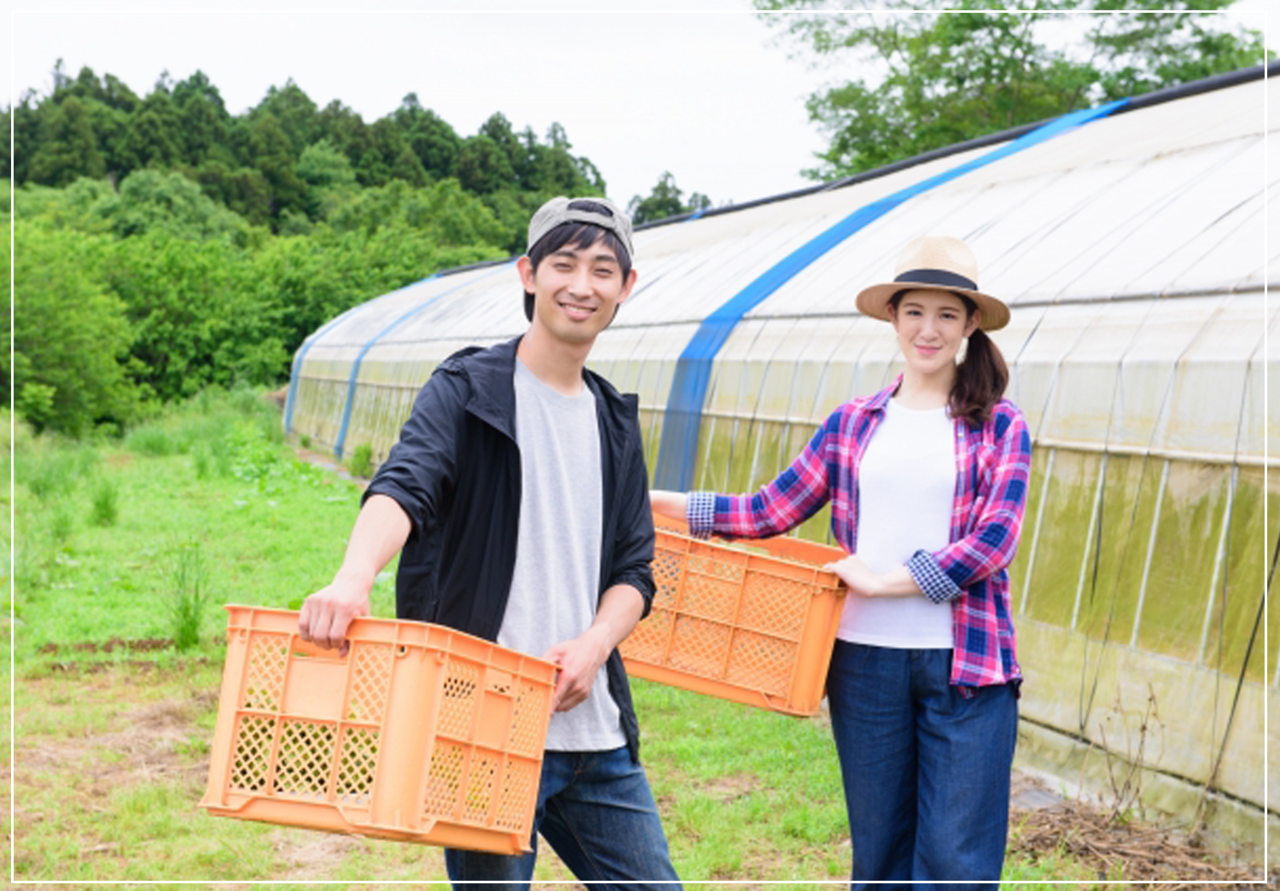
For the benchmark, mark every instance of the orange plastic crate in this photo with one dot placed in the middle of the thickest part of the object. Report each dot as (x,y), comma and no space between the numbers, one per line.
(419,733)
(732,622)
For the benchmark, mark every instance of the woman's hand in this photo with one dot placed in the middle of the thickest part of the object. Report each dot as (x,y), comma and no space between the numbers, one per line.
(669,504)
(854,573)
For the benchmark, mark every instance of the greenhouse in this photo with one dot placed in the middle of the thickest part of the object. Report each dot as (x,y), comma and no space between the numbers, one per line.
(1131,242)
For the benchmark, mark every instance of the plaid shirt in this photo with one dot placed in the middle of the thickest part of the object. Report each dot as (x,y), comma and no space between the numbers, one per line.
(993,464)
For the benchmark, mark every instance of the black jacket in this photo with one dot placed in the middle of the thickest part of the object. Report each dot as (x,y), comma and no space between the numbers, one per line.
(456,473)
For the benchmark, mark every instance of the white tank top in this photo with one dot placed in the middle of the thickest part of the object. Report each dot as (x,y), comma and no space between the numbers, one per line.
(906,488)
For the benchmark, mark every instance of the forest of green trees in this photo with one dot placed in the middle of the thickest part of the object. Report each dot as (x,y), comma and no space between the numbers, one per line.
(164,244)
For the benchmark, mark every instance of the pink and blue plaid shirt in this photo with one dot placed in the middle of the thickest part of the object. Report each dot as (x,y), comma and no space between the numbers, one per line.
(993,463)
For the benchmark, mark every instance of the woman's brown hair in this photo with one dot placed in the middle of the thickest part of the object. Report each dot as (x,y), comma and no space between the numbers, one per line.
(980,378)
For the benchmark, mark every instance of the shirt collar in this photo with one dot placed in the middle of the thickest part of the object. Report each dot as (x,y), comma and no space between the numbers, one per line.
(881,399)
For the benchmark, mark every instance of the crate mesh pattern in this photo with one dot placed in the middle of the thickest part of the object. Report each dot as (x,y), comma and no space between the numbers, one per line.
(742,623)
(418,733)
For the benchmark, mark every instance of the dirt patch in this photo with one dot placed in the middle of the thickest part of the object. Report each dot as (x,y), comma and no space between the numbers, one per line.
(729,788)
(143,645)
(148,743)
(1128,851)
(119,459)
(39,670)
(311,855)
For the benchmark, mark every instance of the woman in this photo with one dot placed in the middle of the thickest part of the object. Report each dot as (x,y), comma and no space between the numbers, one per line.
(927,480)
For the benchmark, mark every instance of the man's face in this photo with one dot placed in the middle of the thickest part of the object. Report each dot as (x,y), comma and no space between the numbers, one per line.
(576,291)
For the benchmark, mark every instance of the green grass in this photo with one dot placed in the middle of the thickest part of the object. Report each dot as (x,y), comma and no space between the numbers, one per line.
(269,530)
(748,793)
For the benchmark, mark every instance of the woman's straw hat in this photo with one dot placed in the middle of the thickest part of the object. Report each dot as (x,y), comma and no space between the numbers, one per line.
(937,262)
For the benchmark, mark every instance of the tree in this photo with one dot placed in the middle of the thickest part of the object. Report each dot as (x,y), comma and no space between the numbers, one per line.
(388,156)
(155,200)
(204,117)
(430,137)
(68,146)
(483,166)
(273,157)
(498,129)
(991,66)
(328,176)
(25,120)
(295,112)
(71,338)
(243,190)
(153,136)
(664,201)
(323,166)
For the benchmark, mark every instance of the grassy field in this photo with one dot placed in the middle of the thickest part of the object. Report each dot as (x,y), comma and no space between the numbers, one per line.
(126,552)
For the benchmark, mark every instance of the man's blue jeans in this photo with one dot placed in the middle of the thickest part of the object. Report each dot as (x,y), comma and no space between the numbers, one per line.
(596,811)
(925,765)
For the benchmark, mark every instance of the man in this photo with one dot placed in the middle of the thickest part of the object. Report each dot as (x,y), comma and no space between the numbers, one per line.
(519,494)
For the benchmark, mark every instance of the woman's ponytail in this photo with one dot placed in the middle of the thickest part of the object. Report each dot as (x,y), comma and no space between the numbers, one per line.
(980,380)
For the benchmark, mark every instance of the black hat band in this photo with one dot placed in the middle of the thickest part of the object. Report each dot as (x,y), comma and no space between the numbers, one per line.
(937,277)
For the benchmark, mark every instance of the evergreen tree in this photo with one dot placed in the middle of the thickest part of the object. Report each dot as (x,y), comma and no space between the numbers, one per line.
(388,156)
(204,119)
(295,112)
(26,135)
(483,166)
(68,146)
(432,140)
(665,201)
(273,157)
(153,138)
(345,130)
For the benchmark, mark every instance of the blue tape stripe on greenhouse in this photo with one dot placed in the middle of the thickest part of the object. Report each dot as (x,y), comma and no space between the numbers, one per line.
(355,366)
(306,345)
(677,451)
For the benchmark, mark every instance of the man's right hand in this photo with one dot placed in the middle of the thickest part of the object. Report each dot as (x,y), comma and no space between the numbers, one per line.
(327,613)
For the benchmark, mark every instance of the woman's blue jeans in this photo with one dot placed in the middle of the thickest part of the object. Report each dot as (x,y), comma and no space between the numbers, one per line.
(926,765)
(596,811)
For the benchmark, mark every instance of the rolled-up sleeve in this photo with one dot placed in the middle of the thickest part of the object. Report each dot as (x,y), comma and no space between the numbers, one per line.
(992,540)
(419,471)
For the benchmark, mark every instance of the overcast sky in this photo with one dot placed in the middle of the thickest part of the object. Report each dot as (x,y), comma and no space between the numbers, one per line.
(709,95)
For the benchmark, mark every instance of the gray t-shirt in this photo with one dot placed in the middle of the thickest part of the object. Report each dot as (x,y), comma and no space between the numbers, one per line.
(555,586)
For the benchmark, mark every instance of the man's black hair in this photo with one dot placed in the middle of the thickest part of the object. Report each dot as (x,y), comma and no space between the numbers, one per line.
(581,236)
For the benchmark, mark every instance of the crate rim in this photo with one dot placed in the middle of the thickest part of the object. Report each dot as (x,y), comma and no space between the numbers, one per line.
(284,611)
(736,544)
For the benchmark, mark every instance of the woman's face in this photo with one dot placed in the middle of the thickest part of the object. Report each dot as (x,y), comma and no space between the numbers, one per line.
(931,325)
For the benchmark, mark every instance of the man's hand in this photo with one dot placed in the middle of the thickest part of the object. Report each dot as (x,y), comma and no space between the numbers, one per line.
(579,660)
(381,529)
(327,613)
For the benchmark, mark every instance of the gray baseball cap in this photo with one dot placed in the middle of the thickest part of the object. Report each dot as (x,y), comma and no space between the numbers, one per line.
(558,211)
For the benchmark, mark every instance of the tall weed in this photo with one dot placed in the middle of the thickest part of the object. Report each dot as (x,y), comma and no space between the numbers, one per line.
(106,503)
(48,470)
(155,439)
(61,524)
(361,462)
(190,578)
